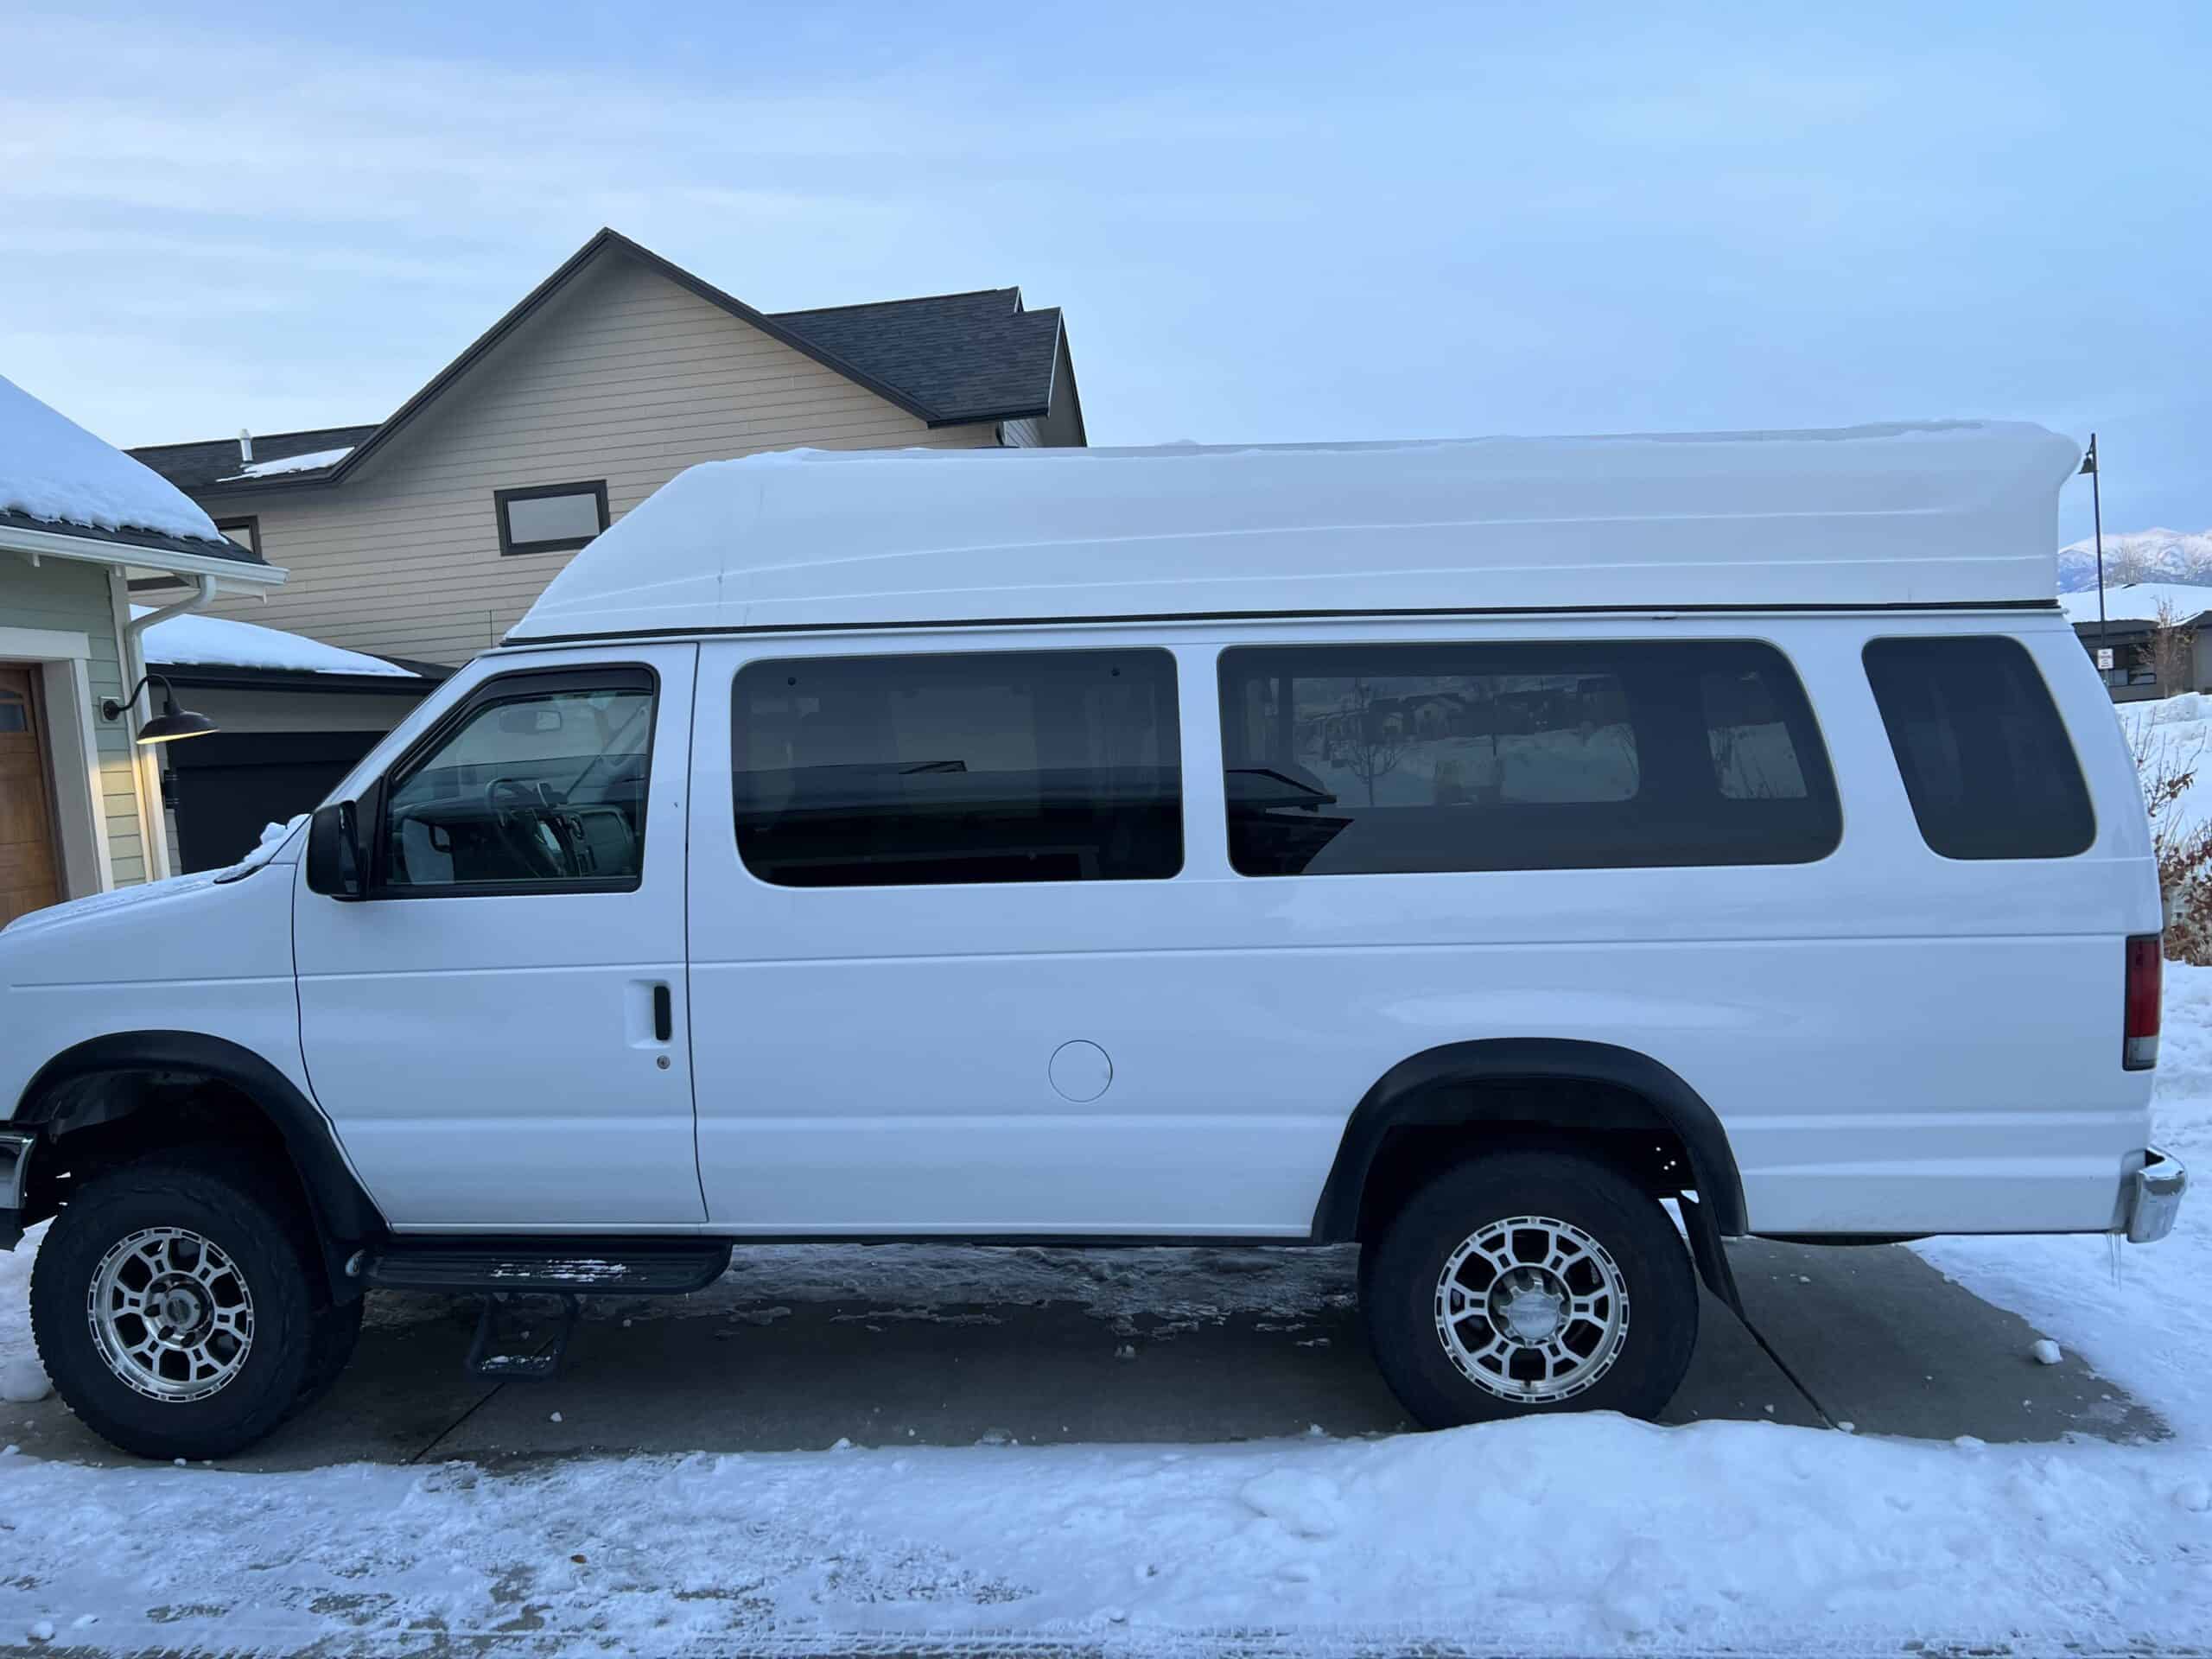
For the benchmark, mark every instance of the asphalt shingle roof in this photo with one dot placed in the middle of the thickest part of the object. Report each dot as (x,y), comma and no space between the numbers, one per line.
(195,467)
(964,357)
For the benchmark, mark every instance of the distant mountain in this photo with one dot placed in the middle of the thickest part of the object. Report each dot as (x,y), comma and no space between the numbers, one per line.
(2171,555)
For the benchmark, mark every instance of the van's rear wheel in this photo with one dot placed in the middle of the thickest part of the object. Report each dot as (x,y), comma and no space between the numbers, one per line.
(1527,1282)
(176,1308)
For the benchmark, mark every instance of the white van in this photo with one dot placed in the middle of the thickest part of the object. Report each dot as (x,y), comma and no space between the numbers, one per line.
(1470,849)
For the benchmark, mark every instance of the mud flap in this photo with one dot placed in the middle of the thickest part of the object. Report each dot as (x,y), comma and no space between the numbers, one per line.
(1708,1254)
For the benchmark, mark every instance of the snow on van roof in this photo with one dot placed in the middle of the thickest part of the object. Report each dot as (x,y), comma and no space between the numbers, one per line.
(1947,513)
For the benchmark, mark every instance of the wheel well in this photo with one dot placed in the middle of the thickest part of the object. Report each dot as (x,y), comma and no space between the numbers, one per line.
(1456,1122)
(96,1121)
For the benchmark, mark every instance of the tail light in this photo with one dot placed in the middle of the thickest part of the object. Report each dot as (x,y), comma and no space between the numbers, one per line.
(2145,965)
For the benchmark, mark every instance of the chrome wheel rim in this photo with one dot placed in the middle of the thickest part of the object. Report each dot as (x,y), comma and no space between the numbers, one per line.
(1532,1309)
(171,1314)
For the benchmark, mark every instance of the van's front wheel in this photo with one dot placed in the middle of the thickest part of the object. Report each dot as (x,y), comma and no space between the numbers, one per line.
(175,1309)
(1528,1282)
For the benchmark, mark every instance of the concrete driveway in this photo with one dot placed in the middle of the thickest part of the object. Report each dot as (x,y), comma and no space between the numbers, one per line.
(799,1348)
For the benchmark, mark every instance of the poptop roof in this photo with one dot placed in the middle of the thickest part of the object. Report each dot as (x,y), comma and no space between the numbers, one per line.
(1942,513)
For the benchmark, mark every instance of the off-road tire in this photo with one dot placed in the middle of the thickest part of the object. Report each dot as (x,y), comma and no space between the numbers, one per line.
(1402,1270)
(337,1334)
(235,1205)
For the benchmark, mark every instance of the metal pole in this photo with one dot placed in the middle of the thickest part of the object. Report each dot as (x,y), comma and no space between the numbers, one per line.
(2097,514)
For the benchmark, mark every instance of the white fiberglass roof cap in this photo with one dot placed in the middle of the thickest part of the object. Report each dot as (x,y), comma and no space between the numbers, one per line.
(1940,513)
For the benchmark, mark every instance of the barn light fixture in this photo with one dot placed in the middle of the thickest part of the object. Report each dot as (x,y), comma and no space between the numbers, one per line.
(167,727)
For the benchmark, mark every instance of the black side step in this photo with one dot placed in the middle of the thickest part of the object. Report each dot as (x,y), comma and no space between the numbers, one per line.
(560,1269)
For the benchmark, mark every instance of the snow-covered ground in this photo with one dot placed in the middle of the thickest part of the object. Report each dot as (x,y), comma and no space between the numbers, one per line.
(1586,1535)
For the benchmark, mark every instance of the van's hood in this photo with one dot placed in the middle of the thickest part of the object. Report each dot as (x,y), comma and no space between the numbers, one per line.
(278,845)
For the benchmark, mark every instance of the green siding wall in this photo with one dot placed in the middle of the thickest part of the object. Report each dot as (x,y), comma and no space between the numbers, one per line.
(66,593)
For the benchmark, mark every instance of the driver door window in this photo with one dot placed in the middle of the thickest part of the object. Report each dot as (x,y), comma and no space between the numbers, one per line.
(541,787)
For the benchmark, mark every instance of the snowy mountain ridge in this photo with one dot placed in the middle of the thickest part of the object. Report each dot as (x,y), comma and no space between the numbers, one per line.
(2169,555)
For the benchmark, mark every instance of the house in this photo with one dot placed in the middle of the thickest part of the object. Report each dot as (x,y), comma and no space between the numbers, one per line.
(292,716)
(2132,617)
(426,536)
(80,790)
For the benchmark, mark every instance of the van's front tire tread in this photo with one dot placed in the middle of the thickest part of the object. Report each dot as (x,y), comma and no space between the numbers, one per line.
(257,1228)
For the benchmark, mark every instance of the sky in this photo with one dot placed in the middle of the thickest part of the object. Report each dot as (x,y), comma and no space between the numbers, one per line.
(1265,223)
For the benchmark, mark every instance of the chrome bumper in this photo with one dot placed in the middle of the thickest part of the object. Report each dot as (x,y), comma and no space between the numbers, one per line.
(2151,1197)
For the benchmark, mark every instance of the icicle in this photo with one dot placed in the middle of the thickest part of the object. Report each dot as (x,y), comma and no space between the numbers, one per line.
(2112,1249)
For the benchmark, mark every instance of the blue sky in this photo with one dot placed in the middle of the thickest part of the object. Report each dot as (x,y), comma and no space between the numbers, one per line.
(1264,222)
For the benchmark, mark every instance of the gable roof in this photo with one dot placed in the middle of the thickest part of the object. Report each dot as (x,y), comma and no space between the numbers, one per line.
(947,359)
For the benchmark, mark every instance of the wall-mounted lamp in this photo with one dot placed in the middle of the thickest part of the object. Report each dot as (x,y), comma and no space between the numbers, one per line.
(167,727)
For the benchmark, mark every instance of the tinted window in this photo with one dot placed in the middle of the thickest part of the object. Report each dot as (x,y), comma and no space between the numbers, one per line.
(544,788)
(1353,759)
(1004,766)
(1984,755)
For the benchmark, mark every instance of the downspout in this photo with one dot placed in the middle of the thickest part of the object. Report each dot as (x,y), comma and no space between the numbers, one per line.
(153,818)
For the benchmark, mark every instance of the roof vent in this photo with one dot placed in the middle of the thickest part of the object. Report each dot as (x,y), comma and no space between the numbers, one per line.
(246,447)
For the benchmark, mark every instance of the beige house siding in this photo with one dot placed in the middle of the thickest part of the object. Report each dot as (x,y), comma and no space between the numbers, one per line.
(71,597)
(623,376)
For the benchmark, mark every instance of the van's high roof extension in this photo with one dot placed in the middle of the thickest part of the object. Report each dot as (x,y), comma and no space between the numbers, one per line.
(1944,513)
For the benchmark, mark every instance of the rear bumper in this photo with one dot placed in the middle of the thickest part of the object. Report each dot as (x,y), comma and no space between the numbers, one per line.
(2150,1198)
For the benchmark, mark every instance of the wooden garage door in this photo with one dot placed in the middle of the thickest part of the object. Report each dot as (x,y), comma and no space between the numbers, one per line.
(30,856)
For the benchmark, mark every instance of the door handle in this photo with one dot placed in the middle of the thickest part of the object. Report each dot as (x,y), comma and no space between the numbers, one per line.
(664,1013)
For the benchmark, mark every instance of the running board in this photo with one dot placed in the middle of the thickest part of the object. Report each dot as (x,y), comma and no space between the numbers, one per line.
(631,1270)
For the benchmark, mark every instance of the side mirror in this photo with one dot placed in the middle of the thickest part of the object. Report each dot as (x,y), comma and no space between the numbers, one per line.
(334,867)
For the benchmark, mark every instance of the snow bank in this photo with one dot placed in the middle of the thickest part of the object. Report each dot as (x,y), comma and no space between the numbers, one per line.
(2175,734)
(217,641)
(52,468)
(306,463)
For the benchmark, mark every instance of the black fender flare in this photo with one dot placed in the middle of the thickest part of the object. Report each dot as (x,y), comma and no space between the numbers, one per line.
(1426,1090)
(345,1214)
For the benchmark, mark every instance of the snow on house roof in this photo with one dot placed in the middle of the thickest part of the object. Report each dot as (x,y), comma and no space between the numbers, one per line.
(313,460)
(1957,512)
(217,641)
(2139,602)
(54,471)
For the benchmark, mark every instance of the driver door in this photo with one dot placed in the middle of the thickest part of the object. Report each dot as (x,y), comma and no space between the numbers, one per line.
(497,1031)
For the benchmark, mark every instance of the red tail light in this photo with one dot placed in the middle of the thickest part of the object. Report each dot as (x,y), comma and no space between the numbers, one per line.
(2145,966)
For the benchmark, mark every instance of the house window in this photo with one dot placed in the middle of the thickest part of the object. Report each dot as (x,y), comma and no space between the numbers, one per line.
(246,532)
(550,518)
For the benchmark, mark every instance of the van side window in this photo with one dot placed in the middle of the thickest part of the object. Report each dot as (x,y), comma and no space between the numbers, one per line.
(541,787)
(962,767)
(1985,756)
(1358,760)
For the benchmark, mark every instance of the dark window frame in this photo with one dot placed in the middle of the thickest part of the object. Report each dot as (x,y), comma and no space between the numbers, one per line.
(521,686)
(510,547)
(1382,659)
(2024,663)
(250,523)
(1173,744)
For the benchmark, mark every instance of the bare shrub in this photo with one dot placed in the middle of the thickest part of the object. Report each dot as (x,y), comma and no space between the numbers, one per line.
(2181,845)
(2173,652)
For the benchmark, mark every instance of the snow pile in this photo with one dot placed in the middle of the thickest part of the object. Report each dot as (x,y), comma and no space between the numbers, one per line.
(2172,736)
(307,463)
(216,641)
(52,468)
